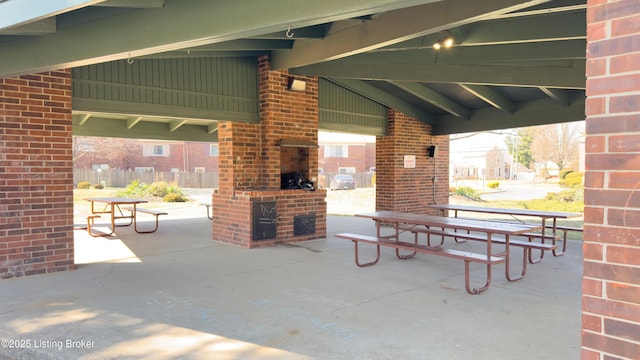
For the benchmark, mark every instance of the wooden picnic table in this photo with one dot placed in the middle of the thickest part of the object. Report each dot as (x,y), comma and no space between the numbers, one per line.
(514,213)
(400,221)
(111,205)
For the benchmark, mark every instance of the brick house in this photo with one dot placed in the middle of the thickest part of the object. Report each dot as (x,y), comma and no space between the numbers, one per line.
(346,153)
(338,153)
(145,155)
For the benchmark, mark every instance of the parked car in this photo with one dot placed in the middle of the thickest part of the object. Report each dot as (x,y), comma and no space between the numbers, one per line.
(342,182)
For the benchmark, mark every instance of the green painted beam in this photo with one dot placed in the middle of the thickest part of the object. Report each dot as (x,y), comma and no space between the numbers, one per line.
(131,122)
(176,124)
(494,53)
(554,6)
(491,97)
(91,106)
(310,32)
(177,25)
(384,98)
(105,127)
(137,4)
(553,27)
(83,119)
(20,12)
(559,95)
(433,97)
(537,112)
(556,27)
(211,128)
(394,27)
(505,75)
(40,27)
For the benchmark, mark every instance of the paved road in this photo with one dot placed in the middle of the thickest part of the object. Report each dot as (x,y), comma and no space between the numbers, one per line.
(513,190)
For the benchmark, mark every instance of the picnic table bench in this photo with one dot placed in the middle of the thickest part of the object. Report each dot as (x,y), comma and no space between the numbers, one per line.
(137,210)
(208,206)
(466,256)
(399,219)
(527,246)
(111,207)
(543,215)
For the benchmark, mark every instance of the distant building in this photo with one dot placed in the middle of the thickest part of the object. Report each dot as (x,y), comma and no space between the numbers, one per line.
(346,153)
(145,155)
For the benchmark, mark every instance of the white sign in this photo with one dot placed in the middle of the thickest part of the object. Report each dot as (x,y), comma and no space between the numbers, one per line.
(409,161)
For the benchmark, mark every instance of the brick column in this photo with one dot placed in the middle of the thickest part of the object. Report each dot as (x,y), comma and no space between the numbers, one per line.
(36,174)
(410,189)
(611,284)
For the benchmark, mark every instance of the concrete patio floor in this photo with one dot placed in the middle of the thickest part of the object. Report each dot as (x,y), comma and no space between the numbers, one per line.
(176,294)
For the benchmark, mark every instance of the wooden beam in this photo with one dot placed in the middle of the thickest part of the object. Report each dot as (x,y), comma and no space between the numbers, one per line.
(177,25)
(571,77)
(433,97)
(40,27)
(384,98)
(135,4)
(559,95)
(133,121)
(535,112)
(176,124)
(108,127)
(84,119)
(491,97)
(16,13)
(394,27)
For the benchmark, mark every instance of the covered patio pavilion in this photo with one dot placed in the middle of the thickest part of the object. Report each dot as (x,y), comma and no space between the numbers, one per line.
(222,71)
(179,295)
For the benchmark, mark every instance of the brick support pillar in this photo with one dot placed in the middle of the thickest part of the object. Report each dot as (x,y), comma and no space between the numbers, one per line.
(611,284)
(401,187)
(36,174)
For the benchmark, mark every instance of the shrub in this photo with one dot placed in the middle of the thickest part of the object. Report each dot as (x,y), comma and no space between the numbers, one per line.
(173,197)
(493,185)
(572,179)
(98,186)
(158,188)
(135,189)
(84,185)
(174,189)
(469,192)
(571,200)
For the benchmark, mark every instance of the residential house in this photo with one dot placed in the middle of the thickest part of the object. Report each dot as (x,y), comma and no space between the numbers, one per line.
(145,155)
(346,153)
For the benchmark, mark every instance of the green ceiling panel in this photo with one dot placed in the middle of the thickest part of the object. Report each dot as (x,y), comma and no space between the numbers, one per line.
(180,88)
(344,110)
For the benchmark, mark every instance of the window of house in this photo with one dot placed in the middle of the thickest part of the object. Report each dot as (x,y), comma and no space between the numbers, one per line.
(156,150)
(199,170)
(144,169)
(100,166)
(213,150)
(336,151)
(346,170)
(175,170)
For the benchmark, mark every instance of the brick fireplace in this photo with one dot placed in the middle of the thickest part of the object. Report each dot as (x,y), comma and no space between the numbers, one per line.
(252,208)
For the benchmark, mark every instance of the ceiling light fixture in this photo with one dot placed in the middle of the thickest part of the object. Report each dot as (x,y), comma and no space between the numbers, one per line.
(445,42)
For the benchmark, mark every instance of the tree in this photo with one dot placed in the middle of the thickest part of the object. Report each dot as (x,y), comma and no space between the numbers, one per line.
(520,146)
(104,150)
(557,143)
